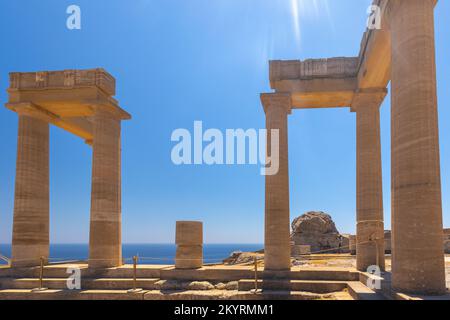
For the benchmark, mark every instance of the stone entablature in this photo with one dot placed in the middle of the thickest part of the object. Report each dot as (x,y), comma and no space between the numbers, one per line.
(63,79)
(65,98)
(313,68)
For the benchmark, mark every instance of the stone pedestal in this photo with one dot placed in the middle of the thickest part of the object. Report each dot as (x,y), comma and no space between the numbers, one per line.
(30,239)
(416,178)
(277,233)
(369,189)
(189,241)
(105,247)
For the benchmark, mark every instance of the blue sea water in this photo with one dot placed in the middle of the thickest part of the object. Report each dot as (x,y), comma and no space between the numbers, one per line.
(147,253)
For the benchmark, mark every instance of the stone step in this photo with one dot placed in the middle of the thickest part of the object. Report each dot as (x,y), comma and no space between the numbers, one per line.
(314,274)
(55,294)
(235,274)
(292,295)
(170,273)
(294,285)
(61,283)
(59,294)
(361,292)
(61,271)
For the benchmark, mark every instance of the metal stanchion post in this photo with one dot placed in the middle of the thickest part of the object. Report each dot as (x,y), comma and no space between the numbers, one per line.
(256,274)
(135,289)
(41,277)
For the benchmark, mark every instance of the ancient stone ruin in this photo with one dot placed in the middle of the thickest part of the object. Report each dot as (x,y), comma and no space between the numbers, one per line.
(400,55)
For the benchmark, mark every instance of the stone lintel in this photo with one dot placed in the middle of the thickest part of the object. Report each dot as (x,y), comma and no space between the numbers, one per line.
(116,113)
(78,126)
(76,102)
(368,98)
(316,83)
(276,100)
(319,92)
(32,110)
(312,68)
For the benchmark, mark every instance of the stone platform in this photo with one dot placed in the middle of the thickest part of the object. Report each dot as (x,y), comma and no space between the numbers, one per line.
(163,282)
(322,277)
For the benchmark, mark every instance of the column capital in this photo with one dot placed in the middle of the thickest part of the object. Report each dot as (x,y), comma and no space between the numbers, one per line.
(282,100)
(368,98)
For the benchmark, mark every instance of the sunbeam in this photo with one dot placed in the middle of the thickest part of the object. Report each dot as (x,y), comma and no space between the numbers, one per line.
(308,10)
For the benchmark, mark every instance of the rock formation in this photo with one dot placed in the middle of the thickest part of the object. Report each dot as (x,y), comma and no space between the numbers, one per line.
(243,258)
(318,230)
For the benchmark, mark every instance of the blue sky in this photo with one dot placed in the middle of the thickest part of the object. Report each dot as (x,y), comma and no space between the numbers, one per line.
(178,61)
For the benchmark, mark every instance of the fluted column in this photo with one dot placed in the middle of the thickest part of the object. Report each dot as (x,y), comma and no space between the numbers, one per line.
(277,243)
(105,243)
(369,189)
(418,259)
(30,238)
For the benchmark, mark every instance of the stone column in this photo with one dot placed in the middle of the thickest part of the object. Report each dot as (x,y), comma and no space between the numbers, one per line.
(189,241)
(369,189)
(105,243)
(277,224)
(418,259)
(30,239)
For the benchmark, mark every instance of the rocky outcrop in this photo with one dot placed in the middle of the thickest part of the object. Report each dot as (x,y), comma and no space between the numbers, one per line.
(243,258)
(318,230)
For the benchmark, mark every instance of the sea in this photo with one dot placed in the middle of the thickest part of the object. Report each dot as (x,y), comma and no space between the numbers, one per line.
(147,253)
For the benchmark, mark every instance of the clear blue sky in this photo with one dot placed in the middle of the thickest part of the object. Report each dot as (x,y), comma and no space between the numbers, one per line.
(177,61)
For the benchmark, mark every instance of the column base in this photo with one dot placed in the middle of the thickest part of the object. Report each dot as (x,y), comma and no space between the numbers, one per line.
(428,279)
(105,257)
(24,256)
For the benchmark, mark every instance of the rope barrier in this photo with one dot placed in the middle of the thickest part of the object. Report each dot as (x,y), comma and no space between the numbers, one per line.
(71,259)
(68,259)
(171,260)
(7,260)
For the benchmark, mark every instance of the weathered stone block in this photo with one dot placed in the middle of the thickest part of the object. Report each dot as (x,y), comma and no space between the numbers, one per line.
(189,233)
(189,240)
